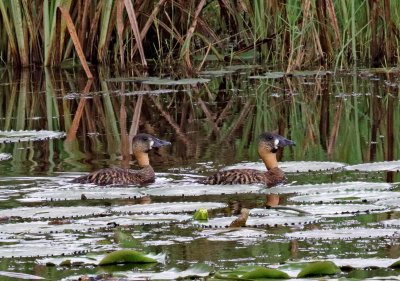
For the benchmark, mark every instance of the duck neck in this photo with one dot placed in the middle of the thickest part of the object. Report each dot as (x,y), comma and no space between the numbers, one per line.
(269,159)
(142,158)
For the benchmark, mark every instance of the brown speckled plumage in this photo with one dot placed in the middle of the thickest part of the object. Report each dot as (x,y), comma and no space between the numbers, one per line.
(142,144)
(267,147)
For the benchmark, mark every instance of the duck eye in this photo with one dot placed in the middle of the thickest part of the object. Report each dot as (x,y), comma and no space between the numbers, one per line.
(270,138)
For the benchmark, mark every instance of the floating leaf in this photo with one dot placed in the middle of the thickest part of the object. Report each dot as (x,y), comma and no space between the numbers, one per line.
(201,214)
(396,264)
(169,82)
(269,75)
(267,221)
(196,189)
(20,275)
(5,156)
(327,210)
(345,196)
(391,223)
(345,233)
(194,272)
(19,136)
(291,166)
(216,73)
(149,92)
(329,187)
(171,207)
(376,166)
(391,202)
(319,268)
(126,256)
(310,73)
(52,212)
(260,272)
(75,193)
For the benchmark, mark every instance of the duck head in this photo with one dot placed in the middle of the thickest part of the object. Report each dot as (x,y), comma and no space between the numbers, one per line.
(268,144)
(142,144)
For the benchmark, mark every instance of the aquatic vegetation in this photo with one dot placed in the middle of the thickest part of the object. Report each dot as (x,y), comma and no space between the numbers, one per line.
(319,268)
(168,207)
(345,233)
(126,256)
(23,136)
(375,167)
(345,197)
(5,156)
(329,189)
(201,215)
(292,166)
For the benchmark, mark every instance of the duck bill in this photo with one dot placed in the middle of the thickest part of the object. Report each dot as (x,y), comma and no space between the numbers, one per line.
(158,143)
(285,142)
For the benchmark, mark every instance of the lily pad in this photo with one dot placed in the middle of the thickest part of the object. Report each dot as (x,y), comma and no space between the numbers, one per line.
(291,166)
(319,268)
(20,136)
(52,212)
(267,221)
(311,73)
(328,210)
(172,207)
(269,75)
(149,92)
(194,272)
(391,223)
(20,276)
(196,189)
(260,272)
(5,156)
(344,196)
(376,166)
(126,256)
(329,187)
(345,233)
(61,244)
(75,193)
(170,82)
(242,235)
(390,202)
(216,73)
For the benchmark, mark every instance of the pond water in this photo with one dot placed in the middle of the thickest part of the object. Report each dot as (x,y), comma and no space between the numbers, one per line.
(55,126)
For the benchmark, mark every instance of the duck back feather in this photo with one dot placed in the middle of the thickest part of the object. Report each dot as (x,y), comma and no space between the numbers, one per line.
(270,178)
(118,176)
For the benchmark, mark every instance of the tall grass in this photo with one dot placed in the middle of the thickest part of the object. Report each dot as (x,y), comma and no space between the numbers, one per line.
(331,33)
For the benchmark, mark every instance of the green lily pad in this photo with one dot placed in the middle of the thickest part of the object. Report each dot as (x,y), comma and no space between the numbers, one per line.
(20,136)
(329,187)
(376,166)
(201,215)
(267,221)
(195,272)
(216,73)
(269,75)
(292,166)
(396,264)
(319,268)
(75,193)
(390,202)
(327,210)
(126,256)
(196,189)
(5,156)
(265,273)
(20,276)
(344,196)
(169,82)
(345,233)
(391,223)
(171,207)
(52,212)
(311,73)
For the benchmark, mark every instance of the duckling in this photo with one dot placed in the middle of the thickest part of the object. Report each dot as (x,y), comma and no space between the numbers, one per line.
(268,144)
(141,145)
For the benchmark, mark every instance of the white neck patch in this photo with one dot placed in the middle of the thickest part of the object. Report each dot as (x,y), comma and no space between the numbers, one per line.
(276,142)
(151,143)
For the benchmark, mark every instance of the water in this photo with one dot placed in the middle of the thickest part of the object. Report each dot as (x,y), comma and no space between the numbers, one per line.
(212,122)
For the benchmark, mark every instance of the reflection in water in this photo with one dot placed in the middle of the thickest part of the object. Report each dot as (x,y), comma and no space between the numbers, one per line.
(342,118)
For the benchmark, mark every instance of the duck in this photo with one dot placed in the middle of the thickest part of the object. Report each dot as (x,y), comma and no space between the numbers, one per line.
(268,145)
(141,146)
